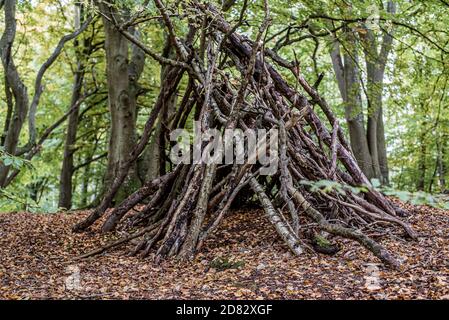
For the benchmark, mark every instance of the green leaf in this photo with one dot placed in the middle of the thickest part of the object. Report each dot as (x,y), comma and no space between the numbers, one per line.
(375,183)
(7,161)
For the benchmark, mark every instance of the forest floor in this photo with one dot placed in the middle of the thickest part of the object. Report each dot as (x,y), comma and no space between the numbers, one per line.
(37,262)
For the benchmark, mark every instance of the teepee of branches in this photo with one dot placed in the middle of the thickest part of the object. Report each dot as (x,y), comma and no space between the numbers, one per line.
(184,206)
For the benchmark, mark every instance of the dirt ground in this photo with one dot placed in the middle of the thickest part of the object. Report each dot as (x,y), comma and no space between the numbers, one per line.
(37,262)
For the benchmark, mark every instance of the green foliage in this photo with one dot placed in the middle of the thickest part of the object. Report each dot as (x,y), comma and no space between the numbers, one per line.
(224,263)
(326,186)
(322,241)
(14,162)
(10,202)
(419,198)
(415,198)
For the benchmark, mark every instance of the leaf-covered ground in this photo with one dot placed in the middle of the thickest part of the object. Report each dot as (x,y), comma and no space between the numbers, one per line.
(37,251)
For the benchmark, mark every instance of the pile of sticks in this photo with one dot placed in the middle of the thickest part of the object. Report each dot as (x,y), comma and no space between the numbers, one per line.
(233,83)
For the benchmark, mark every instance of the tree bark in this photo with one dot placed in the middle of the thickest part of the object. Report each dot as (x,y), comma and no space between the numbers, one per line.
(441,165)
(349,83)
(368,146)
(65,181)
(16,84)
(422,167)
(122,79)
(376,58)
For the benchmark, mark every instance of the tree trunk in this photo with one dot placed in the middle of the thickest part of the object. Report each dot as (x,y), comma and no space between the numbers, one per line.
(369,147)
(422,168)
(376,58)
(122,77)
(441,165)
(15,83)
(85,185)
(349,83)
(374,99)
(382,149)
(65,181)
